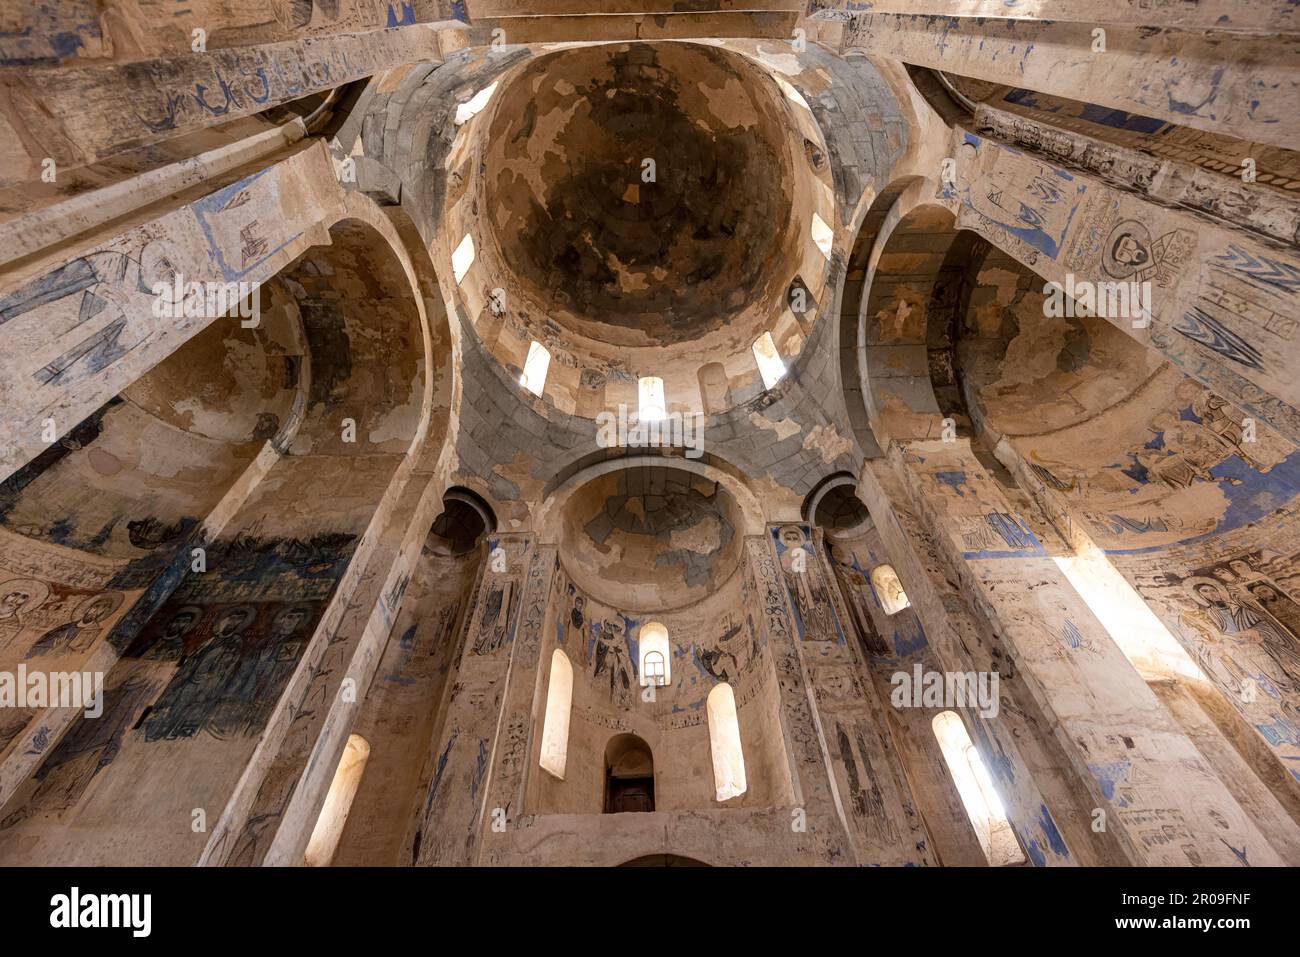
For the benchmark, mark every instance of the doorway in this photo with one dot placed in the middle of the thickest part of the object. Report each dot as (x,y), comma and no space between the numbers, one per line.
(629,775)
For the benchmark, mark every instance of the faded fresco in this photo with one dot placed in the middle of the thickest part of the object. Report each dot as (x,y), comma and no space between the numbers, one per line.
(968,347)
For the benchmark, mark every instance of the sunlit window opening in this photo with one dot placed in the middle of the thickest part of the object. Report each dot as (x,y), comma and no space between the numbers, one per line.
(650,398)
(462,258)
(655,668)
(884,580)
(983,806)
(338,802)
(822,235)
(770,366)
(467,111)
(793,94)
(535,367)
(555,726)
(1133,626)
(724,743)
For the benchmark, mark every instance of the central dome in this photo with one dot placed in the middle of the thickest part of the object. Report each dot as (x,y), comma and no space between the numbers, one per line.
(636,189)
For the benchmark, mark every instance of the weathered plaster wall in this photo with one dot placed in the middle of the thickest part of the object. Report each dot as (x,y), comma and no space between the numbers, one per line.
(651,539)
(405,703)
(1191,504)
(889,644)
(208,660)
(710,641)
(326,607)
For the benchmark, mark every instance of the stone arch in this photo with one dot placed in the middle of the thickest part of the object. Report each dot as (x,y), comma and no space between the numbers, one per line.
(827,491)
(902,279)
(463,524)
(879,219)
(1141,466)
(277,818)
(582,470)
(347,334)
(649,537)
(128,502)
(473,502)
(664,860)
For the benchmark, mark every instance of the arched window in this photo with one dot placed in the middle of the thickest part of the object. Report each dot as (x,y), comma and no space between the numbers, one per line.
(822,235)
(654,671)
(888,589)
(724,743)
(650,398)
(467,111)
(975,787)
(462,258)
(655,663)
(555,726)
(795,96)
(770,366)
(535,368)
(325,835)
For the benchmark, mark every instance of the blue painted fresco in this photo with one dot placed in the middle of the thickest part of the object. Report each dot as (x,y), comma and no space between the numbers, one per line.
(209,206)
(1109,775)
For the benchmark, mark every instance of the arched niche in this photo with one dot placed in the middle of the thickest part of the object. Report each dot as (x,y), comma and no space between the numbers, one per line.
(629,775)
(358,381)
(418,665)
(579,472)
(877,219)
(463,523)
(652,537)
(154,462)
(98,529)
(834,505)
(1146,468)
(901,295)
(710,641)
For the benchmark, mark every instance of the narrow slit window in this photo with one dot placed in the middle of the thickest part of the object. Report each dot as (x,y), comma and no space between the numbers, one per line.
(650,398)
(535,368)
(328,831)
(822,235)
(462,258)
(770,366)
(889,590)
(724,743)
(555,727)
(975,787)
(655,667)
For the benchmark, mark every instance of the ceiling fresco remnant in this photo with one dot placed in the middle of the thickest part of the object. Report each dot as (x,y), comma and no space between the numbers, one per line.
(1000,541)
(595,232)
(652,537)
